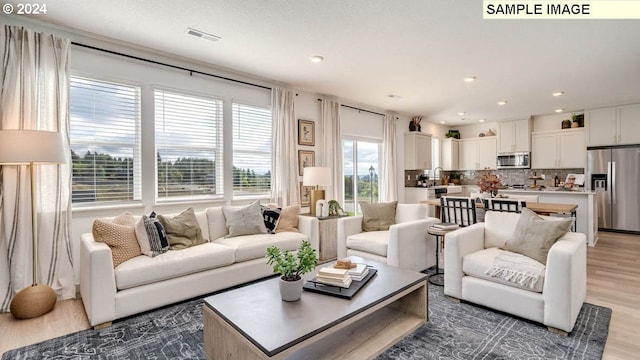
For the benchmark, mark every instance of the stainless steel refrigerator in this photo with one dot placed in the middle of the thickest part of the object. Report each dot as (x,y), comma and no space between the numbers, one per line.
(614,173)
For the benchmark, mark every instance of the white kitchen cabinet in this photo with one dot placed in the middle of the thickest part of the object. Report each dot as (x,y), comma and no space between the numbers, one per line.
(417,151)
(514,136)
(450,153)
(618,125)
(478,153)
(558,149)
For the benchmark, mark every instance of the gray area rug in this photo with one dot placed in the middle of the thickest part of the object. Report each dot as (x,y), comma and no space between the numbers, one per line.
(454,331)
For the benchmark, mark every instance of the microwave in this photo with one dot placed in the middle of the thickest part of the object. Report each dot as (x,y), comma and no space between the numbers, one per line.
(514,160)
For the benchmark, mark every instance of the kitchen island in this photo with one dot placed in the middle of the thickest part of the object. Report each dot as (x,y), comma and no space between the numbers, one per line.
(586,213)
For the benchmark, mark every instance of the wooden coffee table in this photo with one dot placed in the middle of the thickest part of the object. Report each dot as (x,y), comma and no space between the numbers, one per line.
(252,322)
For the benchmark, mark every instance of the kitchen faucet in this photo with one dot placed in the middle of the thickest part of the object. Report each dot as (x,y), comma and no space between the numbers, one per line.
(436,174)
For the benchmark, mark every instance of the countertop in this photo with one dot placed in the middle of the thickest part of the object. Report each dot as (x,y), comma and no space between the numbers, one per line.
(540,191)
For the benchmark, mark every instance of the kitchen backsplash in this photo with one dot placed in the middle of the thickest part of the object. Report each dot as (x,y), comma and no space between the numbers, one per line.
(507,177)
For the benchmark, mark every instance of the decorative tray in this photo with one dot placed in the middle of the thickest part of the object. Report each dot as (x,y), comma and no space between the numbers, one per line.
(345,293)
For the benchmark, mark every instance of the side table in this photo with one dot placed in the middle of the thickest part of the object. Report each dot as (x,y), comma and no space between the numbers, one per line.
(438,277)
(328,238)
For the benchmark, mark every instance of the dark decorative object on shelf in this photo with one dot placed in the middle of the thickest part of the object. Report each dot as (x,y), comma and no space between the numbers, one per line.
(414,124)
(566,124)
(453,134)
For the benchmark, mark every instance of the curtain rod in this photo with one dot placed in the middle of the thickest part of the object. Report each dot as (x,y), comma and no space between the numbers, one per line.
(191,71)
(355,108)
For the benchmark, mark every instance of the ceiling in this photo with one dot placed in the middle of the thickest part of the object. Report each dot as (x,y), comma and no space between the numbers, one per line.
(415,49)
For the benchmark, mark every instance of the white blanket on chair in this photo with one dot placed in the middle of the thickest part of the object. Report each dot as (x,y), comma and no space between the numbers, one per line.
(516,268)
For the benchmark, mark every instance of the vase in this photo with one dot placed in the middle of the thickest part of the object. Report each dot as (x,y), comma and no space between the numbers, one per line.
(291,290)
(412,126)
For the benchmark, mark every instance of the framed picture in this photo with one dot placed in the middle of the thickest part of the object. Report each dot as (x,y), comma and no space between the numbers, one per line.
(305,194)
(306,132)
(305,159)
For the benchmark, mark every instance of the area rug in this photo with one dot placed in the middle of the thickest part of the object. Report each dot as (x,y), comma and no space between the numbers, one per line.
(454,331)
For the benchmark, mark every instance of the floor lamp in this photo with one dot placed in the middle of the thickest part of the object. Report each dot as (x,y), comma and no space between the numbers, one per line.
(316,176)
(32,147)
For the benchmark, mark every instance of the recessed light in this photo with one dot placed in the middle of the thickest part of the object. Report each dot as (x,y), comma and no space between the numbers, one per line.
(559,93)
(481,120)
(559,110)
(470,79)
(503,102)
(442,122)
(394,96)
(316,59)
(461,113)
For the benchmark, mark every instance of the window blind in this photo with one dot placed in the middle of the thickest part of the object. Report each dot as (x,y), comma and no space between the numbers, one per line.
(188,137)
(105,141)
(252,149)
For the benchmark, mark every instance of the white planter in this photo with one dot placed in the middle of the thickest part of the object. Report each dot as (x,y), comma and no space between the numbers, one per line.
(291,290)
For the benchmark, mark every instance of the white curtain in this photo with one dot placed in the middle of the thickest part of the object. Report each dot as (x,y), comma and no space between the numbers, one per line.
(284,182)
(332,154)
(35,83)
(389,171)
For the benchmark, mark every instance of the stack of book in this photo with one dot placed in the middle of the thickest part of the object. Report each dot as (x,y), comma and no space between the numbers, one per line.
(334,277)
(445,226)
(359,272)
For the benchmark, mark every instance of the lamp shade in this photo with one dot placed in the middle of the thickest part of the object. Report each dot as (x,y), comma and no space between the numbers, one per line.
(31,146)
(316,176)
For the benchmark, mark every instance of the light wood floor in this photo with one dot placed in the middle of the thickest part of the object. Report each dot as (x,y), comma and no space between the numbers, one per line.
(613,280)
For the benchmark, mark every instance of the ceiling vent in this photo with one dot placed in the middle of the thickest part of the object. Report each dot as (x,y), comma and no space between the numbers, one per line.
(202,35)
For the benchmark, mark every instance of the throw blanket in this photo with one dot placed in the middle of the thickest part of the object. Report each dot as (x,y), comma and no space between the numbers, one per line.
(516,268)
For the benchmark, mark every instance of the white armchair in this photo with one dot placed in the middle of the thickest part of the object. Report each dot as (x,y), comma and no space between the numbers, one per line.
(554,302)
(406,244)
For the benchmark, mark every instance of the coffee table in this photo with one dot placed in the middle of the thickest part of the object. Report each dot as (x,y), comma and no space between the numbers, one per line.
(252,322)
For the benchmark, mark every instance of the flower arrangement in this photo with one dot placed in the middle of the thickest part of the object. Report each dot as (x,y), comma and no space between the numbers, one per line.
(489,183)
(414,125)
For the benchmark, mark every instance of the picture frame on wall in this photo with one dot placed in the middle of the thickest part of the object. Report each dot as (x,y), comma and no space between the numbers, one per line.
(305,195)
(306,132)
(306,158)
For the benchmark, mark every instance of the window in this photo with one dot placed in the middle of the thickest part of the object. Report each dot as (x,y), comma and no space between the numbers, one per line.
(251,150)
(361,169)
(105,141)
(188,135)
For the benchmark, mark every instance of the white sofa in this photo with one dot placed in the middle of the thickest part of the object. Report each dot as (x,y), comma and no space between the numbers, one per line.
(557,299)
(145,283)
(406,244)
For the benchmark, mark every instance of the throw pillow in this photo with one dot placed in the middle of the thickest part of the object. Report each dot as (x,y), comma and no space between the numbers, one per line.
(534,236)
(244,220)
(119,235)
(182,230)
(270,216)
(378,217)
(288,219)
(151,237)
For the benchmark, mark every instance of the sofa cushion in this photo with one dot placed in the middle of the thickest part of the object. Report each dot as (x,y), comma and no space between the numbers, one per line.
(374,242)
(249,247)
(151,236)
(183,230)
(499,227)
(120,235)
(478,263)
(378,217)
(288,219)
(143,270)
(534,235)
(244,220)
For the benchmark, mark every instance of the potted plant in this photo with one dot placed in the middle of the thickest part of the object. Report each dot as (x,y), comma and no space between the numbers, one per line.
(456,177)
(291,268)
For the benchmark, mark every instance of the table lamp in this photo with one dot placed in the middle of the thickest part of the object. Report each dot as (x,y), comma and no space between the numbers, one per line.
(31,147)
(316,176)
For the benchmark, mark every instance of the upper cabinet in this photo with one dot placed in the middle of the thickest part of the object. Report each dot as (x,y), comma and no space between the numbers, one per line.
(558,149)
(450,153)
(618,125)
(478,153)
(417,151)
(514,136)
